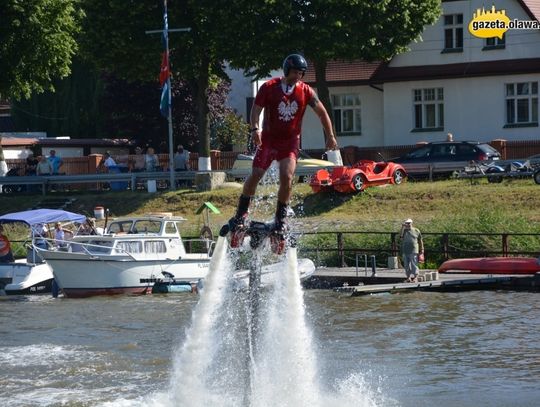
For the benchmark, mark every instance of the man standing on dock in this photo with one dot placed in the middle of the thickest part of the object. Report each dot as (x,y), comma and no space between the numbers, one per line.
(412,249)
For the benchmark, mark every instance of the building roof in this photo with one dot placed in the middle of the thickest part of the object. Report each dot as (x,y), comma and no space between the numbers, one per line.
(346,73)
(460,70)
(532,8)
(358,73)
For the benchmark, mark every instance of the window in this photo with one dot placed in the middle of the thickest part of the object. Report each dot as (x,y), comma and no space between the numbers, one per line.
(170,228)
(147,226)
(120,227)
(347,114)
(129,247)
(428,108)
(453,33)
(521,103)
(155,246)
(494,43)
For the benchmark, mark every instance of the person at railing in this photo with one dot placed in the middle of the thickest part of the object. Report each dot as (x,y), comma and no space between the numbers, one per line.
(151,160)
(137,162)
(107,161)
(31,164)
(56,162)
(6,256)
(412,249)
(44,166)
(181,161)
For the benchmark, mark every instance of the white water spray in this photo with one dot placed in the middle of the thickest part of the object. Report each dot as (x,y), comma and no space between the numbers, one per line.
(219,366)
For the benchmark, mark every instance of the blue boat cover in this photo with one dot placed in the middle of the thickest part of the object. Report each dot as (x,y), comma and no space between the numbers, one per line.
(42,216)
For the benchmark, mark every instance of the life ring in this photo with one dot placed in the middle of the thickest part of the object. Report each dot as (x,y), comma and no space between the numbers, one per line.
(206,233)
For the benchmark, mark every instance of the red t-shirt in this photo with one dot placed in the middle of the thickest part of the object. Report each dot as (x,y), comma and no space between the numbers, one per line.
(283,113)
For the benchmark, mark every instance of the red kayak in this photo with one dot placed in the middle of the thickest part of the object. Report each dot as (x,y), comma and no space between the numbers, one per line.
(492,265)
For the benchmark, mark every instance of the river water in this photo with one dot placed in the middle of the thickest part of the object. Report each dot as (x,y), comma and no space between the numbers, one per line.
(478,348)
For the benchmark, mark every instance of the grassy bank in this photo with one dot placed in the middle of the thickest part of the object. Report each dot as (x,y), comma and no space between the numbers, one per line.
(436,207)
(452,206)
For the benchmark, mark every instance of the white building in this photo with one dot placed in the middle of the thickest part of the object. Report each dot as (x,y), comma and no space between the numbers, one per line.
(450,81)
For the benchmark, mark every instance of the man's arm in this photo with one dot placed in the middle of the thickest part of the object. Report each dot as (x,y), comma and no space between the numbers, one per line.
(421,243)
(319,109)
(254,130)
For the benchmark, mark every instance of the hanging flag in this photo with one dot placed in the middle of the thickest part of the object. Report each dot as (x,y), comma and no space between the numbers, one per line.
(165,72)
(165,101)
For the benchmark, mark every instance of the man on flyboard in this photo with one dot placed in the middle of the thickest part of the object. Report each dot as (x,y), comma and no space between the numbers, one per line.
(284,101)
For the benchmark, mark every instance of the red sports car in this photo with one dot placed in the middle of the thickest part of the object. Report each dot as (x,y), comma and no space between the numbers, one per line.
(358,177)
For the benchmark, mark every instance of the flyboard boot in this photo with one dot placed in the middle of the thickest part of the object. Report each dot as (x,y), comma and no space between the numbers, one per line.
(237,225)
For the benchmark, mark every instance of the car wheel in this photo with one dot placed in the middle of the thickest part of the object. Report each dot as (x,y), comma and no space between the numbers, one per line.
(495,179)
(357,182)
(398,176)
(536,177)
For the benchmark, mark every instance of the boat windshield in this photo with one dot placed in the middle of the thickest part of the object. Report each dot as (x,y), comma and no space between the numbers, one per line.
(147,226)
(120,227)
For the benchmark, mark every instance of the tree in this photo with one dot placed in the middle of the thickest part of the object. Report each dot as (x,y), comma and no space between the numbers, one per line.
(37,43)
(115,39)
(325,30)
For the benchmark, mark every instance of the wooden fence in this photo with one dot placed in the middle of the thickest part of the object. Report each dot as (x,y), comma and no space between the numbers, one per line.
(223,160)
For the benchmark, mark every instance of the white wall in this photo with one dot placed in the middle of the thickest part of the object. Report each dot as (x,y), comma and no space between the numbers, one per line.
(519,43)
(371,108)
(11,153)
(474,109)
(241,88)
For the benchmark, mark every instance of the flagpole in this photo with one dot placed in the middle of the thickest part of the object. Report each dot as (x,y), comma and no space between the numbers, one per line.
(172,181)
(165,32)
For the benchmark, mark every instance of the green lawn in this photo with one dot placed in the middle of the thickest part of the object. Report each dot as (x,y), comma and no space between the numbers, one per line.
(451,206)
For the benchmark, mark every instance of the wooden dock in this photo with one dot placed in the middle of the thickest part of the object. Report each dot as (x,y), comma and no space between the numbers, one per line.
(392,281)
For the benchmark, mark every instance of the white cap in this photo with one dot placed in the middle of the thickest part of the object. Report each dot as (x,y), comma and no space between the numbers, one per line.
(408,220)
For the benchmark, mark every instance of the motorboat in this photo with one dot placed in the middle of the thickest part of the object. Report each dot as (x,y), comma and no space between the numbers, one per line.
(32,275)
(492,265)
(168,284)
(128,258)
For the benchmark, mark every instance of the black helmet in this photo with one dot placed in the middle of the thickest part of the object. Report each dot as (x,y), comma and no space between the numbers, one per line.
(294,61)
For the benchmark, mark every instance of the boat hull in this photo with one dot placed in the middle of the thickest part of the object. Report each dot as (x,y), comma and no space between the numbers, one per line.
(23,278)
(492,265)
(86,277)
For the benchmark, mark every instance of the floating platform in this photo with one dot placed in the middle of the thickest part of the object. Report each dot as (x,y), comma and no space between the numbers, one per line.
(348,280)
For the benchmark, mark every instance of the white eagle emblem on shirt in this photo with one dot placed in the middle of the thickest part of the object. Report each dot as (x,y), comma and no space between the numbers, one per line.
(287,110)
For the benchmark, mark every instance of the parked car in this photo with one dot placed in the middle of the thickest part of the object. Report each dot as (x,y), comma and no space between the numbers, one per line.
(243,163)
(445,157)
(358,177)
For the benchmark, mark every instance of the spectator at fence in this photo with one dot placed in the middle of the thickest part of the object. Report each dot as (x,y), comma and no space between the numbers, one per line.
(151,160)
(181,159)
(56,162)
(137,163)
(31,164)
(44,166)
(107,161)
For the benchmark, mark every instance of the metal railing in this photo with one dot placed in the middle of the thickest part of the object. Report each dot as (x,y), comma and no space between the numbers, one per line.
(439,246)
(131,178)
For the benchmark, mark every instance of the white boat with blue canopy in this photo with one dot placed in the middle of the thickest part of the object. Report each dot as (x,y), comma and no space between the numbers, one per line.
(32,275)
